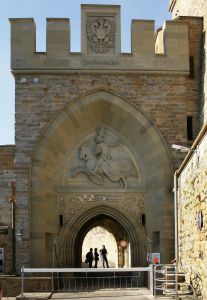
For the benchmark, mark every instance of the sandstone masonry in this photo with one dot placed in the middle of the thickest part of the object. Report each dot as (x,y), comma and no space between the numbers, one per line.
(144,98)
(192,214)
(192,174)
(7,177)
(198,9)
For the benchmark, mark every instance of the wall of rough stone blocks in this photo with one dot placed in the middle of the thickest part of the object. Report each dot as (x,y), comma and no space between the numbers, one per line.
(163,98)
(166,99)
(7,153)
(196,8)
(192,196)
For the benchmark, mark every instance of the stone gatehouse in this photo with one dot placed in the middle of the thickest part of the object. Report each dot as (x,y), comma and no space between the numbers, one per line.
(94,132)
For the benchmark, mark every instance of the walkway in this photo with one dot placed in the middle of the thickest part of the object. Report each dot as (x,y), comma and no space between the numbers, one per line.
(142,294)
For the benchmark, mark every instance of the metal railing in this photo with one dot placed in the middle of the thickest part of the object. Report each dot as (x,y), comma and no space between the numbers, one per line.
(85,279)
(169,282)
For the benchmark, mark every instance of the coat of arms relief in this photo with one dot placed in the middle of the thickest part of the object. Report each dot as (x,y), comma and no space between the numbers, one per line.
(101,34)
(102,159)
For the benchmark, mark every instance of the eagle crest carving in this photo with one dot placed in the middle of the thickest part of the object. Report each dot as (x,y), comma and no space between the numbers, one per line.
(101,33)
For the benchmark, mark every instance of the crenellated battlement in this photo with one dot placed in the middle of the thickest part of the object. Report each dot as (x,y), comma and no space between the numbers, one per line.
(164,51)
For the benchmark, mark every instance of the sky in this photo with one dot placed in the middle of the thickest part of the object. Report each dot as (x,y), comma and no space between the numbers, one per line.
(40,10)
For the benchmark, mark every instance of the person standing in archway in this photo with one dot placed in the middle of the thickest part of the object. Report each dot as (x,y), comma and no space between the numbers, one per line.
(104,253)
(89,258)
(96,257)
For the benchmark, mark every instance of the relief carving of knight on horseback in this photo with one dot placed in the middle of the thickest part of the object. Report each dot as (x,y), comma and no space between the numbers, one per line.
(103,162)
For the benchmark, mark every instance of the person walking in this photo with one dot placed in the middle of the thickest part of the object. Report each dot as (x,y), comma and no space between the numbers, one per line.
(104,253)
(96,257)
(89,258)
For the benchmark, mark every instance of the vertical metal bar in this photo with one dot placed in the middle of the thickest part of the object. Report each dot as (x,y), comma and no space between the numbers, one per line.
(52,278)
(151,279)
(64,282)
(35,285)
(155,269)
(166,279)
(22,281)
(176,215)
(176,282)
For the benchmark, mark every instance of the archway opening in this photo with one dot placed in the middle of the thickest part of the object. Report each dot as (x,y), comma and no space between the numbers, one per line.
(104,230)
(96,238)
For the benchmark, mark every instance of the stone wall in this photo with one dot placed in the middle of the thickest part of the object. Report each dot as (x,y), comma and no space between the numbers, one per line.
(11,285)
(6,178)
(162,98)
(199,9)
(98,55)
(192,196)
(167,98)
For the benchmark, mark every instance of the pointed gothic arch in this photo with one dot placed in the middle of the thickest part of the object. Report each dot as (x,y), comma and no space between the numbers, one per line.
(92,216)
(61,135)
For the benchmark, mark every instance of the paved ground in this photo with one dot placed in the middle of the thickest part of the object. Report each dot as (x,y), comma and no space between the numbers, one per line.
(142,294)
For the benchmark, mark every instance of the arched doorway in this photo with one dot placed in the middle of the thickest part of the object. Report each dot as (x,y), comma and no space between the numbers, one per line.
(95,239)
(112,218)
(59,193)
(118,255)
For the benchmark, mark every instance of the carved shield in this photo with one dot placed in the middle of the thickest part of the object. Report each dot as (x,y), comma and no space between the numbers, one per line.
(101,33)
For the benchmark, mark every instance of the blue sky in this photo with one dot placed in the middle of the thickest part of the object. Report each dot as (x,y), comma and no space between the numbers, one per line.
(40,10)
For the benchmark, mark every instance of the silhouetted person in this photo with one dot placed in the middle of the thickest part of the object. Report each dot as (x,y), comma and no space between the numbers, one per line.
(96,257)
(103,252)
(89,258)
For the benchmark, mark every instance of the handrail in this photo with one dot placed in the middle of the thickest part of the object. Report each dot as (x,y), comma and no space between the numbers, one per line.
(83,270)
(167,284)
(87,270)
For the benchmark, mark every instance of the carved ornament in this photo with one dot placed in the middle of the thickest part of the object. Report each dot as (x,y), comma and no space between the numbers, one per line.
(102,161)
(70,204)
(101,33)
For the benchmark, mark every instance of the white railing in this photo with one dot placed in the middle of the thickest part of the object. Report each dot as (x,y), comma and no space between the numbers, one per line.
(112,272)
(170,282)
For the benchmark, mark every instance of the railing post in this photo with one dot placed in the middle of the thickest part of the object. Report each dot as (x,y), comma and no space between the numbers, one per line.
(52,281)
(176,281)
(151,279)
(22,281)
(155,281)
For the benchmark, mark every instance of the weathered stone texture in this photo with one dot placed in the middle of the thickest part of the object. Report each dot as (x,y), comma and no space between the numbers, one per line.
(198,9)
(165,100)
(6,178)
(173,59)
(192,196)
(166,97)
